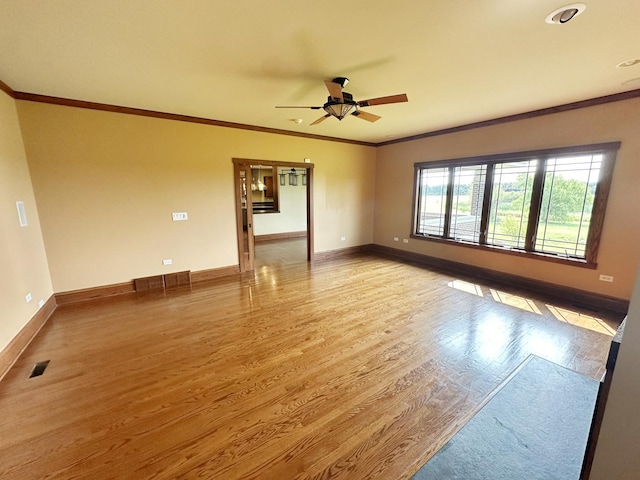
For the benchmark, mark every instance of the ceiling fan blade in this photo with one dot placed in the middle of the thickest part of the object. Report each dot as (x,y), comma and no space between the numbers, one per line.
(321,119)
(335,90)
(369,117)
(383,100)
(312,108)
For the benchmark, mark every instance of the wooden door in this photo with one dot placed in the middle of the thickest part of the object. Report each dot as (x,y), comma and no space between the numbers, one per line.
(244,217)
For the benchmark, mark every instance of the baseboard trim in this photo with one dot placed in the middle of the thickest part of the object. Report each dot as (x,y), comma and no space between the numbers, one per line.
(105,291)
(583,298)
(213,273)
(11,353)
(341,252)
(280,236)
(94,293)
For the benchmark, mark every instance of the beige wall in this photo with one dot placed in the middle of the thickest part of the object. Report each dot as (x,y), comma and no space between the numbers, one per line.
(620,249)
(618,445)
(107,183)
(23,258)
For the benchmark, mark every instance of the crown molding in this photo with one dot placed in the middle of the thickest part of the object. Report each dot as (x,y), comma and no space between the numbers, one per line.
(68,102)
(7,89)
(616,97)
(33,97)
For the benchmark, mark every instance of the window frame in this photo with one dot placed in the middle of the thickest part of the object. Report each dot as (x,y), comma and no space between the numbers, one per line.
(603,187)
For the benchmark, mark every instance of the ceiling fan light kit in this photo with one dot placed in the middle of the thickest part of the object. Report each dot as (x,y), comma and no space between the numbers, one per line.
(340,104)
(340,109)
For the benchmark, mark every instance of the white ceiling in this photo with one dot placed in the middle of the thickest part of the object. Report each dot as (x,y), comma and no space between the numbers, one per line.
(459,61)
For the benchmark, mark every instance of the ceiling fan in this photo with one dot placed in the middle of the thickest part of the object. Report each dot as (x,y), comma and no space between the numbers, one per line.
(340,104)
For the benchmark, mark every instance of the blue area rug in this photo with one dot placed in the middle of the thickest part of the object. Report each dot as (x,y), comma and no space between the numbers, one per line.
(534,428)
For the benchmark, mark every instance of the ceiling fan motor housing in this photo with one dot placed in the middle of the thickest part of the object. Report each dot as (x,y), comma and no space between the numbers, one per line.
(346,98)
(342,81)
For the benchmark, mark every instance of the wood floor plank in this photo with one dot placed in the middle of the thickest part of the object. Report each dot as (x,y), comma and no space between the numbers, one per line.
(357,367)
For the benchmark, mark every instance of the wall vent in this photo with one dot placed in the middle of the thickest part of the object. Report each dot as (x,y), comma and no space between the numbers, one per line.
(168,280)
(39,369)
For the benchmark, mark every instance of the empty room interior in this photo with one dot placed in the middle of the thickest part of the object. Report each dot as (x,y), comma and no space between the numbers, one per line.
(319,240)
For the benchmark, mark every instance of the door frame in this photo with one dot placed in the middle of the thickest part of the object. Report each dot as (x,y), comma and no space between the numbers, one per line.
(244,164)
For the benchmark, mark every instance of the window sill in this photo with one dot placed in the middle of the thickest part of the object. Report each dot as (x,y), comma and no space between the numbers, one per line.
(575,262)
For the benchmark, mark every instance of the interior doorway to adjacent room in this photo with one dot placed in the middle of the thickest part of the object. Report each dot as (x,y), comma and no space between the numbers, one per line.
(274,205)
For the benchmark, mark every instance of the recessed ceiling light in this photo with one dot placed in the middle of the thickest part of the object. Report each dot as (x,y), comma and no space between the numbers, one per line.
(629,63)
(565,14)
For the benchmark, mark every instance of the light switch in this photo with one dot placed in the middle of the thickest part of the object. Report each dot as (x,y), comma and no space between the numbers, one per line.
(22,214)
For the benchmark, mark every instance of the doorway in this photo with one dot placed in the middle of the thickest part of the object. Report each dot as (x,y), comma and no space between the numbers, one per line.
(257,190)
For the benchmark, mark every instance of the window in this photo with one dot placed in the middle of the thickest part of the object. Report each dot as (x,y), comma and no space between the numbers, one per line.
(433,201)
(466,208)
(510,202)
(547,203)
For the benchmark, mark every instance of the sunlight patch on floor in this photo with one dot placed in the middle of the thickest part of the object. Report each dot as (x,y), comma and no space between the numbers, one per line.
(527,304)
(466,287)
(581,320)
(515,301)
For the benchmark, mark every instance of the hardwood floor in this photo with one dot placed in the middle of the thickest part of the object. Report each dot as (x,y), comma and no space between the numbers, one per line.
(279,253)
(357,368)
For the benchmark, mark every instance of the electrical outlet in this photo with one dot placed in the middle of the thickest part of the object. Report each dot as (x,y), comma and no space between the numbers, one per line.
(395,239)
(405,240)
(342,239)
(167,261)
(28,297)
(606,278)
(179,216)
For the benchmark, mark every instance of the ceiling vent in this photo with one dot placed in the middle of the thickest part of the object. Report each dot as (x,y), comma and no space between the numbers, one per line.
(629,63)
(565,14)
(633,81)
